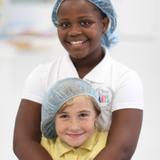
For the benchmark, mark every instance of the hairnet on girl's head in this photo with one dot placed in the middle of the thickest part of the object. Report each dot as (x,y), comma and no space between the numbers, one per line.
(60,93)
(110,37)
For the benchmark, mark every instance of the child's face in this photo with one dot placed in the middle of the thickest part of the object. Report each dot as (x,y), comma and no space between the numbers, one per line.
(80,28)
(75,122)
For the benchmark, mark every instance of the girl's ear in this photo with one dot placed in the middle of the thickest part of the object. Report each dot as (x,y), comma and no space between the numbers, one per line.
(105,23)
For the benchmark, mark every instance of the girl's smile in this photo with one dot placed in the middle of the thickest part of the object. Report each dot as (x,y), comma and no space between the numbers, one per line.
(77,45)
(75,136)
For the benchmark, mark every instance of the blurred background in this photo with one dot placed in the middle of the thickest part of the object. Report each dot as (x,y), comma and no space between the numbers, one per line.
(27,38)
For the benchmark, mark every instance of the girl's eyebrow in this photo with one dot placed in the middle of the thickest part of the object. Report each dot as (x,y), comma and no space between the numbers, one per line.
(62,19)
(62,112)
(85,111)
(86,17)
(80,17)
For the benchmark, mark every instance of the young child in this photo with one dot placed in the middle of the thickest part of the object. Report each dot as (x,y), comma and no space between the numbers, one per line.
(70,121)
(86,28)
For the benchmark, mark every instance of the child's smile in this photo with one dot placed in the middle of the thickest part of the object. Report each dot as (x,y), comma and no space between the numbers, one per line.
(75,136)
(78,45)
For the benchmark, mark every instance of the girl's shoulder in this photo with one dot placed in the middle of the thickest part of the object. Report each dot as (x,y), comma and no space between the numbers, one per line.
(46,66)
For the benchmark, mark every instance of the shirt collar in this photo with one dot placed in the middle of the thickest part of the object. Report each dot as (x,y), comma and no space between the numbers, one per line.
(66,68)
(90,143)
(62,148)
(96,75)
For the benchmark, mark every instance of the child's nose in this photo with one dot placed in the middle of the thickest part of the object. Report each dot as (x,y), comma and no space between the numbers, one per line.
(74,124)
(75,30)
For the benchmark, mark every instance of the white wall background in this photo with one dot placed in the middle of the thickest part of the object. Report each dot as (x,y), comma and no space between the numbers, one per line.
(139,49)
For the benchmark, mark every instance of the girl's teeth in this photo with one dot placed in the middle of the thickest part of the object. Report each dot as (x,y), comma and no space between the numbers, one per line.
(77,42)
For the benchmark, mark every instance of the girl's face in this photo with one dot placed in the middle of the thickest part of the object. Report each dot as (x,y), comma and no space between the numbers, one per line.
(75,122)
(80,28)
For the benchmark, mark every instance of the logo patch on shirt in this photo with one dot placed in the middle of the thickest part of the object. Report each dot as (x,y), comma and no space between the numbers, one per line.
(105,96)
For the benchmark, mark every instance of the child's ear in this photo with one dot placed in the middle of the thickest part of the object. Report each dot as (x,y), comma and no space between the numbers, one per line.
(105,22)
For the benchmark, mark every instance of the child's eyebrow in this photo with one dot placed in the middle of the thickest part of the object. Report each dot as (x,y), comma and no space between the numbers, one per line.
(62,112)
(62,19)
(81,17)
(85,111)
(85,17)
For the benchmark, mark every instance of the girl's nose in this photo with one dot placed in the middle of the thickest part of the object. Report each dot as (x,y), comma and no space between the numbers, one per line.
(75,30)
(74,125)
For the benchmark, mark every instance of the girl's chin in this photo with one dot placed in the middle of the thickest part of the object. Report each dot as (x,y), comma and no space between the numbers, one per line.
(78,54)
(77,57)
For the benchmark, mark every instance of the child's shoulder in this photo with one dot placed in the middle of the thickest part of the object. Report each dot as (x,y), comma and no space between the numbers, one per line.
(119,68)
(51,63)
(120,71)
(115,67)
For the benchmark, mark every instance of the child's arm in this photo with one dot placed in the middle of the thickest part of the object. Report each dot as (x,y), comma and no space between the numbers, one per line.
(27,133)
(123,135)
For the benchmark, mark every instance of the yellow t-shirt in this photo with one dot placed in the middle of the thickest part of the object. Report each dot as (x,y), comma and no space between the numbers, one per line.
(88,151)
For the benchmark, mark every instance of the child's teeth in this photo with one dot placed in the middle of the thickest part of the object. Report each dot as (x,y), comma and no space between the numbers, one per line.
(77,42)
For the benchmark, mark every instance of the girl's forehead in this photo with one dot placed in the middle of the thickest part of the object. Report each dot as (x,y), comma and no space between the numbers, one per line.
(84,101)
(79,5)
(80,2)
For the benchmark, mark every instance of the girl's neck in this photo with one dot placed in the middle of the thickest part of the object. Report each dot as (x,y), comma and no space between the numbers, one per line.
(85,65)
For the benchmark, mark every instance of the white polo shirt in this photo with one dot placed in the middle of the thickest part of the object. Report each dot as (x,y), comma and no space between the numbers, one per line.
(118,86)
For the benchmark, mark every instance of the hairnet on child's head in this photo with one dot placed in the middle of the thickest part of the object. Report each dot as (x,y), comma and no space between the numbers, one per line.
(110,37)
(57,95)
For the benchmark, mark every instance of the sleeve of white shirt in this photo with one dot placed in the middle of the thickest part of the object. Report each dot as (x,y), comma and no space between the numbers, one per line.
(34,85)
(128,92)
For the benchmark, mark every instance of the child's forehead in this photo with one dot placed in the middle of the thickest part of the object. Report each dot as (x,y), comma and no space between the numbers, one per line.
(79,2)
(79,5)
(78,100)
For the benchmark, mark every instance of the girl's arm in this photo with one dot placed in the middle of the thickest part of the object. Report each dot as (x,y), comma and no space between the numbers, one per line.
(123,135)
(27,134)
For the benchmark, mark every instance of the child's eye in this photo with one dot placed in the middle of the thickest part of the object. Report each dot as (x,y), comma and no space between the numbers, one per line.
(85,23)
(83,115)
(64,25)
(63,116)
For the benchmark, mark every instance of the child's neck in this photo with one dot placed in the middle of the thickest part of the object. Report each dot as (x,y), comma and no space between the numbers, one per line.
(84,66)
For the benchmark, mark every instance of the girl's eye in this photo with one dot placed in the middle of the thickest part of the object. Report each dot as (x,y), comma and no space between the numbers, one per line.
(83,115)
(85,23)
(64,25)
(63,116)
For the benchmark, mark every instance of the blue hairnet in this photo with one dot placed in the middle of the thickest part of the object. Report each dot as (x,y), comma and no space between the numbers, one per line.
(110,37)
(57,95)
